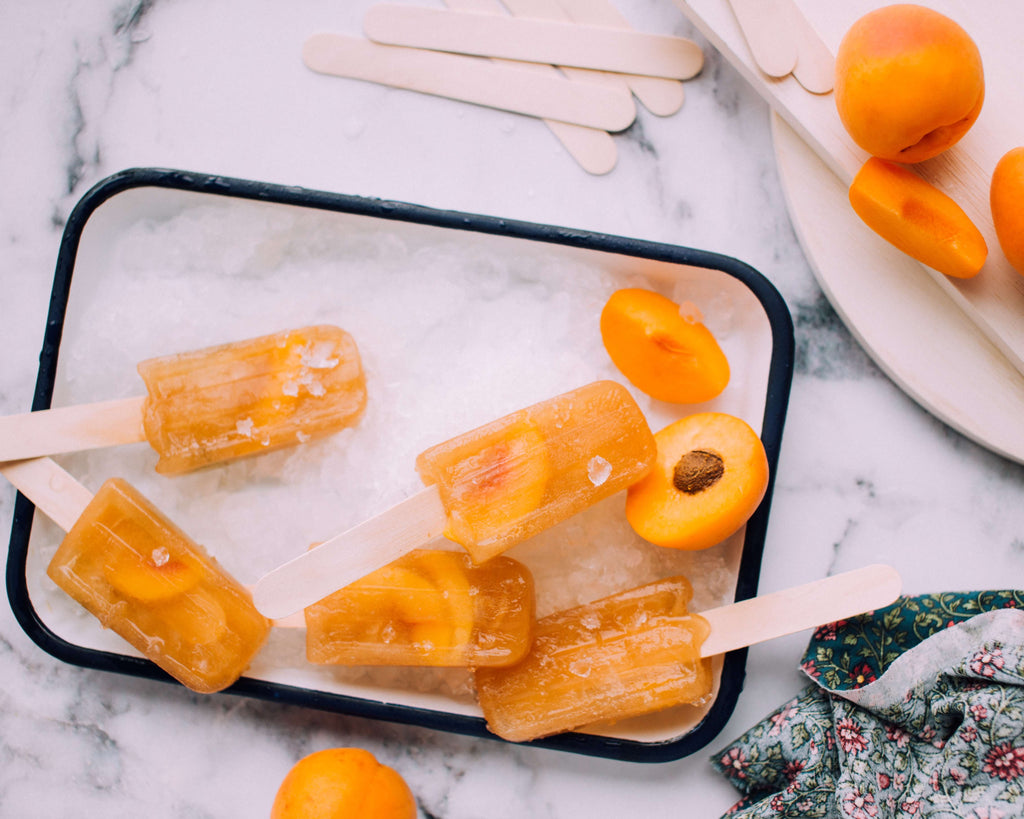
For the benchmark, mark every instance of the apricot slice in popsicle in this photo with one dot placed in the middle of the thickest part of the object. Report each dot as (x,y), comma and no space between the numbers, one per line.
(710,476)
(153,577)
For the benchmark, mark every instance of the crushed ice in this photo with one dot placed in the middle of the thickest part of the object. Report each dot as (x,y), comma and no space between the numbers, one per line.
(599,470)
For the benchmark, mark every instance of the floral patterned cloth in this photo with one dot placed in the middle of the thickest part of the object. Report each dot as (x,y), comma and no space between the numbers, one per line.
(915,710)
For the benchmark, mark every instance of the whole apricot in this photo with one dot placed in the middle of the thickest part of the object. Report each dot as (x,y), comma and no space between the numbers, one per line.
(342,783)
(909,82)
(919,219)
(669,356)
(710,477)
(1006,196)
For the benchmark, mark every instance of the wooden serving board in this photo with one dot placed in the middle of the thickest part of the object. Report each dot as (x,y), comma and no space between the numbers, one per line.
(957,347)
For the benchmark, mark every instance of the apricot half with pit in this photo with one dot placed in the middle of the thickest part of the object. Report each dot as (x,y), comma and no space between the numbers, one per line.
(669,356)
(710,477)
(909,82)
(1006,196)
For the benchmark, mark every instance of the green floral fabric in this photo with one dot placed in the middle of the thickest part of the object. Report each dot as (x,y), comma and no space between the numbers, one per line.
(915,710)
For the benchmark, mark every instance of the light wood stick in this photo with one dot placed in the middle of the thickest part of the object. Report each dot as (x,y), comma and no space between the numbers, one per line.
(812,604)
(539,41)
(71,429)
(353,554)
(50,488)
(467,79)
(765,27)
(592,148)
(815,64)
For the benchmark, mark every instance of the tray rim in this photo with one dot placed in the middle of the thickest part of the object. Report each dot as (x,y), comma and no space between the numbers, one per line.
(780,374)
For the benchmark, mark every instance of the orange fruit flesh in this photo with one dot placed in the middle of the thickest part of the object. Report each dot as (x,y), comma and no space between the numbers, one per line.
(682,509)
(429,608)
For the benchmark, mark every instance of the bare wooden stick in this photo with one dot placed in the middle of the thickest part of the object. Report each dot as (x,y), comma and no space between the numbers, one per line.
(539,41)
(71,429)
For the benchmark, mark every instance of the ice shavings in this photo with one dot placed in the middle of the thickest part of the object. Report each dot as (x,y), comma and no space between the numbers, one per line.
(598,470)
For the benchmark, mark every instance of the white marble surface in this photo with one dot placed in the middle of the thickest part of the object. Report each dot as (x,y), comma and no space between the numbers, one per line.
(865,475)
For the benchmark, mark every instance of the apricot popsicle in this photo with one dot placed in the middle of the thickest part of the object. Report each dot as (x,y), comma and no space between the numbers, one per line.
(212,405)
(487,490)
(143,578)
(624,655)
(429,608)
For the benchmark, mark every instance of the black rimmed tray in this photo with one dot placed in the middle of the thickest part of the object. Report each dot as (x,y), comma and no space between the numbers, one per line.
(155,261)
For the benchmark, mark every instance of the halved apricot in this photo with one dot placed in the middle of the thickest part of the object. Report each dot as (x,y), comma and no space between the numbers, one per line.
(919,219)
(669,356)
(710,476)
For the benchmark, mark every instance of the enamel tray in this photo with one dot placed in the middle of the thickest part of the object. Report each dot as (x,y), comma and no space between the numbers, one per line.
(459,318)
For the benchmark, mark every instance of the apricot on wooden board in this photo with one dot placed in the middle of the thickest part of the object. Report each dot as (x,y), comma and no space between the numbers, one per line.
(1006,196)
(343,783)
(918,218)
(663,353)
(909,82)
(710,476)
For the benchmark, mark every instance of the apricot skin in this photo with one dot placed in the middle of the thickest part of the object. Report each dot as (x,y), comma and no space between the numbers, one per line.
(917,218)
(909,82)
(342,783)
(663,354)
(1006,197)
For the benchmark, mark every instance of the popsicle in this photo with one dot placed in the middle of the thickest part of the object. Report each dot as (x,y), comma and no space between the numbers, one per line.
(143,578)
(429,608)
(487,490)
(213,405)
(641,651)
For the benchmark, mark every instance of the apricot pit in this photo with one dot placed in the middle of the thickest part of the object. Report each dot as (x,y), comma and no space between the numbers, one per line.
(710,476)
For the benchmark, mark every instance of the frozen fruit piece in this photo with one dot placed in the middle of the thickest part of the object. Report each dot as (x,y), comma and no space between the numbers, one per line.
(518,475)
(251,396)
(196,622)
(629,654)
(432,608)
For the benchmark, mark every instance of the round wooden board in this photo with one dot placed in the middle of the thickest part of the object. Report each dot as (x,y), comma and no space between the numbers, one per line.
(897,312)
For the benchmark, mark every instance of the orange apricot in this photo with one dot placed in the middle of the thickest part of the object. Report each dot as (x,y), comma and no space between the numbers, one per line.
(918,218)
(710,476)
(343,783)
(909,82)
(663,353)
(1006,197)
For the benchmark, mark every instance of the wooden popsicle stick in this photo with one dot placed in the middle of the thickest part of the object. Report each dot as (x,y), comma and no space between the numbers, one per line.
(592,148)
(660,96)
(815,65)
(812,604)
(467,79)
(49,487)
(539,41)
(353,554)
(765,27)
(71,429)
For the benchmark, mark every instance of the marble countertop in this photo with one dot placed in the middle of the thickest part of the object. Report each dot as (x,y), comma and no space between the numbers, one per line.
(865,474)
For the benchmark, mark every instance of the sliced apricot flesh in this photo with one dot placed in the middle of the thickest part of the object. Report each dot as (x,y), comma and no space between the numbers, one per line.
(710,476)
(917,218)
(669,356)
(1006,196)
(152,577)
(490,483)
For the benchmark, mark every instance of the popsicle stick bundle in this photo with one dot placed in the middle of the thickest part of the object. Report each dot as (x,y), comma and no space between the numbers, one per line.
(575,64)
(383,593)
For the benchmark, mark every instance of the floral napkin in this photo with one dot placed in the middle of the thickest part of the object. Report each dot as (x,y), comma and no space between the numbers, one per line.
(915,710)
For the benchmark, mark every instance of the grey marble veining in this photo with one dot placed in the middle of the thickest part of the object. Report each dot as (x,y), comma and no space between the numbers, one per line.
(865,474)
